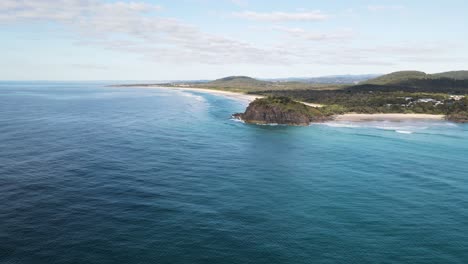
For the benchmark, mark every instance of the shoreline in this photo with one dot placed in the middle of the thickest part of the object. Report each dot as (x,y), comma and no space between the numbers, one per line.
(349,117)
(234,95)
(238,96)
(392,117)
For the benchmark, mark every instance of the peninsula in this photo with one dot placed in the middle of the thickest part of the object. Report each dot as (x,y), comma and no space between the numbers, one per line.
(281,110)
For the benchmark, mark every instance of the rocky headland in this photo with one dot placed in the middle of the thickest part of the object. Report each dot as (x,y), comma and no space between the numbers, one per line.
(281,110)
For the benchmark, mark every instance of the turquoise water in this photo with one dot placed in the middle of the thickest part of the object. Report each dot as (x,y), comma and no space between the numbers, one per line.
(90,174)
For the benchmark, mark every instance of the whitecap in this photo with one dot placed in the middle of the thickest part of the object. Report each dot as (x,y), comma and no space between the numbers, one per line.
(238,120)
(403,132)
(341,124)
(189,94)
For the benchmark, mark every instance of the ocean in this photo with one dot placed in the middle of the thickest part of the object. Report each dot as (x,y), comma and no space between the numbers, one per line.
(93,174)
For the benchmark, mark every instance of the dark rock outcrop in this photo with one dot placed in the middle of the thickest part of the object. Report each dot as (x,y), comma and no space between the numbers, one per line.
(458,117)
(280,110)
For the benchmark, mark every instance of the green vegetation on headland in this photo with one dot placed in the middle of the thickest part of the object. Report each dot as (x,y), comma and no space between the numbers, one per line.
(281,110)
(371,102)
(402,92)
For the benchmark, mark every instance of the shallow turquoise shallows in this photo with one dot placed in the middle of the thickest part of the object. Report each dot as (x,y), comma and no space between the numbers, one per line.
(93,174)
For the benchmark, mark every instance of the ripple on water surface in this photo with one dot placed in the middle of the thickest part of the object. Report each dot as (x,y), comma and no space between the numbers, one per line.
(91,174)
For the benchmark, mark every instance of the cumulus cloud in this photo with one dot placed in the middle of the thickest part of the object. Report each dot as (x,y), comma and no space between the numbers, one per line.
(133,27)
(282,16)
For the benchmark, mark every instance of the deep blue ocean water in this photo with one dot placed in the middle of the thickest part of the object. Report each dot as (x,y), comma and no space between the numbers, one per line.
(92,174)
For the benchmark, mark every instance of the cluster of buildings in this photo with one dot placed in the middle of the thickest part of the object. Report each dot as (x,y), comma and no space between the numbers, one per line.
(410,100)
(457,97)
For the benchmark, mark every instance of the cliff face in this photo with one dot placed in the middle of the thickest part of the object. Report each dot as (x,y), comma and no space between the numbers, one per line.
(273,115)
(280,110)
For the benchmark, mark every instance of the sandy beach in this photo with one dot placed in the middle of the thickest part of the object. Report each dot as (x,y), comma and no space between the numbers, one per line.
(238,96)
(388,117)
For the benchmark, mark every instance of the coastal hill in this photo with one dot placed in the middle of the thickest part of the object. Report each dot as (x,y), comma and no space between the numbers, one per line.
(396,77)
(233,81)
(450,82)
(457,75)
(245,84)
(454,82)
(403,77)
(237,82)
(280,110)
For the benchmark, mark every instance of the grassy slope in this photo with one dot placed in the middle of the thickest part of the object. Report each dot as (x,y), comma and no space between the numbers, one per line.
(287,104)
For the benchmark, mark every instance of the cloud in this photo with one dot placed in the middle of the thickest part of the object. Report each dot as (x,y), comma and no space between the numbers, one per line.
(378,8)
(68,10)
(406,49)
(282,16)
(89,66)
(135,27)
(300,33)
(138,28)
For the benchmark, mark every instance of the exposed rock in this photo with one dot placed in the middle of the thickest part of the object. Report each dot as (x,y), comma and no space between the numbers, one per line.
(458,117)
(280,110)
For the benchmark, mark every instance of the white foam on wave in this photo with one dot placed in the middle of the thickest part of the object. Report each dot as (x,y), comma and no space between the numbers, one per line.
(403,132)
(191,95)
(447,124)
(238,120)
(340,124)
(270,124)
(403,127)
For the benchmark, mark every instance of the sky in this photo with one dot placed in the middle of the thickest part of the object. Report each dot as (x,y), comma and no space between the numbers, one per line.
(209,39)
